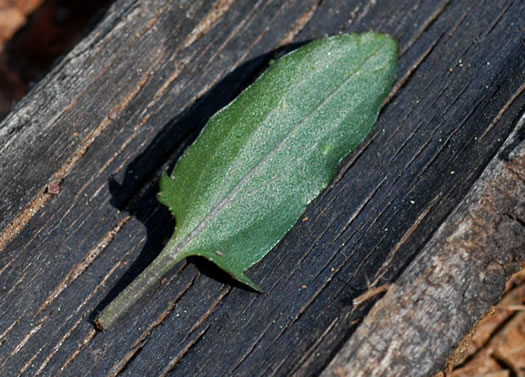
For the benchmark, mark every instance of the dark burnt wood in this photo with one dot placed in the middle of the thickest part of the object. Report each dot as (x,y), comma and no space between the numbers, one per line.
(123,104)
(457,276)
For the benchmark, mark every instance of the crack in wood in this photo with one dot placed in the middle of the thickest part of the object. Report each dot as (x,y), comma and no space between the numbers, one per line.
(169,367)
(178,68)
(28,363)
(93,332)
(502,111)
(25,339)
(236,30)
(91,335)
(7,330)
(299,24)
(366,200)
(301,366)
(404,238)
(83,265)
(58,345)
(410,71)
(208,22)
(355,16)
(424,27)
(142,340)
(24,217)
(251,347)
(496,21)
(460,241)
(210,310)
(456,26)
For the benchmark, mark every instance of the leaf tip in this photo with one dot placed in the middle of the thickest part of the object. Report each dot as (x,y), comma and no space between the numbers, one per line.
(241,277)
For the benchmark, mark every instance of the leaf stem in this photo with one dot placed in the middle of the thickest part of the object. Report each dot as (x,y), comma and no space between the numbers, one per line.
(138,287)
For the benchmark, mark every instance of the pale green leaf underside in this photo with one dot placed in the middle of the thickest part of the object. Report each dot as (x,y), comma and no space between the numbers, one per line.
(260,160)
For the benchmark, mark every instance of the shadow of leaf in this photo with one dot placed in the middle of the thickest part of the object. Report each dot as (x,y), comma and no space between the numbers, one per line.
(137,192)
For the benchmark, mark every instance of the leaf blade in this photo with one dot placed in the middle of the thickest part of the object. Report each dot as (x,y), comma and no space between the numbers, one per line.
(258,162)
(229,169)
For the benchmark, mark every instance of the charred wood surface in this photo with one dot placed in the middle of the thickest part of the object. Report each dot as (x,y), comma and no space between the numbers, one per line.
(82,153)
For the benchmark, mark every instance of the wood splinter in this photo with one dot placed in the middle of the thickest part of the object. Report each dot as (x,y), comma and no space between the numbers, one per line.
(372,292)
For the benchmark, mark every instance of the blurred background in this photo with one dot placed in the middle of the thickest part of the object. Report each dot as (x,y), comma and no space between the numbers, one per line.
(33,35)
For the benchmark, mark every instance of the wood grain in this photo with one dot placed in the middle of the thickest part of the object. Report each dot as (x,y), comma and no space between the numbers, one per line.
(454,280)
(123,104)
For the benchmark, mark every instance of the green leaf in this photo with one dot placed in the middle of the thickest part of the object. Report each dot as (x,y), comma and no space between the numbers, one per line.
(259,161)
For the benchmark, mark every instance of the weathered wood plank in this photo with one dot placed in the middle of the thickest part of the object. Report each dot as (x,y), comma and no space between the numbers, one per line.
(455,279)
(125,102)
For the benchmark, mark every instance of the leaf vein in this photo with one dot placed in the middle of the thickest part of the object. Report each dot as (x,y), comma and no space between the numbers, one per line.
(175,251)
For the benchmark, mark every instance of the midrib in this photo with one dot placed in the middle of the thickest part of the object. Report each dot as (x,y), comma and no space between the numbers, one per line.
(227,198)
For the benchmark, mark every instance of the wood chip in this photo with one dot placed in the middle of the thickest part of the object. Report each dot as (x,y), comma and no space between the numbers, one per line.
(53,188)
